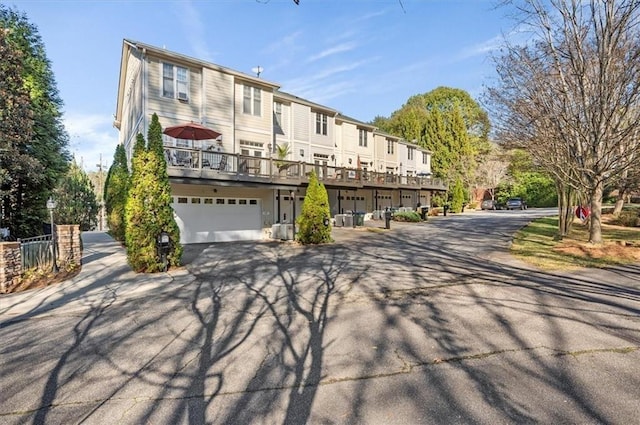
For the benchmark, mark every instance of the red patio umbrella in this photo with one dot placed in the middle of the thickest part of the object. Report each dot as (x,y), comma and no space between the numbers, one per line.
(191,131)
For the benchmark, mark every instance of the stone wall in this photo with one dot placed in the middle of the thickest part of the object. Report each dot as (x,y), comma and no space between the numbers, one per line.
(10,265)
(69,252)
(69,244)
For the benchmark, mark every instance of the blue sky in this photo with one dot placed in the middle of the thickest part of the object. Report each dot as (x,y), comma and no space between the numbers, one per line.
(361,57)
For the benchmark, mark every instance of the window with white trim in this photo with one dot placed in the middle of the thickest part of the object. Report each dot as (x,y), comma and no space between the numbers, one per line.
(362,137)
(277,112)
(425,158)
(390,146)
(252,100)
(175,82)
(321,124)
(410,153)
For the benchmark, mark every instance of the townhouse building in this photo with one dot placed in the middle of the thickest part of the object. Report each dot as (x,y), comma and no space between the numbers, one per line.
(254,174)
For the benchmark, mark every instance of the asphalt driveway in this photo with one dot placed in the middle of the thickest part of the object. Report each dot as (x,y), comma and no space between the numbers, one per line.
(426,323)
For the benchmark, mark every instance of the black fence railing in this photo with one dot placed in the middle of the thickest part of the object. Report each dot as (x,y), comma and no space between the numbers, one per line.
(276,169)
(37,252)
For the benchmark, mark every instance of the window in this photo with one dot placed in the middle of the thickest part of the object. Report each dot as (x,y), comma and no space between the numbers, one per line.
(195,200)
(425,158)
(321,124)
(208,201)
(252,101)
(410,153)
(231,202)
(242,201)
(277,112)
(175,82)
(219,201)
(182,200)
(390,146)
(253,202)
(362,137)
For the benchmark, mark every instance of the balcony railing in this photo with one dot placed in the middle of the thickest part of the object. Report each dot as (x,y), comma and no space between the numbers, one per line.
(186,162)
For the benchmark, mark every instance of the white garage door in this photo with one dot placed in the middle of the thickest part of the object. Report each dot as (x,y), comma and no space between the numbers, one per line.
(217,219)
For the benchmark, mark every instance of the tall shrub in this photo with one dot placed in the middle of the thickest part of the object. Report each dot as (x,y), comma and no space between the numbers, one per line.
(315,209)
(161,201)
(148,208)
(457,197)
(115,193)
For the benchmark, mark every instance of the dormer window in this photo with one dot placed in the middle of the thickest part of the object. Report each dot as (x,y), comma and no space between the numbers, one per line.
(175,82)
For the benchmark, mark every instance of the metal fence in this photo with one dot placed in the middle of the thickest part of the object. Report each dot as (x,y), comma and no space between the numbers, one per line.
(36,253)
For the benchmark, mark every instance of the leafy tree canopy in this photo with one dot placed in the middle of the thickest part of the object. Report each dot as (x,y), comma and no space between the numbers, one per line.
(76,199)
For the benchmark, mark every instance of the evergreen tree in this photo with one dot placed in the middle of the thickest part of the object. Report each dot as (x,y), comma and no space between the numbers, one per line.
(76,199)
(30,185)
(115,192)
(161,192)
(315,209)
(457,196)
(16,124)
(148,209)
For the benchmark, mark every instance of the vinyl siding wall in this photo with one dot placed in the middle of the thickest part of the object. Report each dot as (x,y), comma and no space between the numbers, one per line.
(181,111)
(132,105)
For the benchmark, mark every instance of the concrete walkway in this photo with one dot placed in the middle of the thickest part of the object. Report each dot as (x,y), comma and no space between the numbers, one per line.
(104,274)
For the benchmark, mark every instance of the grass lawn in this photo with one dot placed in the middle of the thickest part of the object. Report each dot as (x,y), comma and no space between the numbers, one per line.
(535,245)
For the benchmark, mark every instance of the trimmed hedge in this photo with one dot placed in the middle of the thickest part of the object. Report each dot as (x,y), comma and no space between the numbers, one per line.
(411,216)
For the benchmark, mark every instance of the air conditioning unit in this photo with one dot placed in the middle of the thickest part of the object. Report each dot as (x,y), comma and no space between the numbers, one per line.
(182,96)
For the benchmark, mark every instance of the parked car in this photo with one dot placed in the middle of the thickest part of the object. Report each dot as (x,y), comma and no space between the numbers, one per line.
(489,204)
(516,204)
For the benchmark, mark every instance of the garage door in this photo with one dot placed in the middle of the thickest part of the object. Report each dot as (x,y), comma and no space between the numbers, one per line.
(217,219)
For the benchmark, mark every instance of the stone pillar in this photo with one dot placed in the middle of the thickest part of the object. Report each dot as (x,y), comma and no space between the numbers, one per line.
(10,265)
(69,244)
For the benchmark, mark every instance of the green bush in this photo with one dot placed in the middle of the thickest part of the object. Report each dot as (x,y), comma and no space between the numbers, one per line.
(408,216)
(315,209)
(628,218)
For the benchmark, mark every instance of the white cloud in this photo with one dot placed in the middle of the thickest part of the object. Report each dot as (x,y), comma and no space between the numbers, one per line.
(91,135)
(340,48)
(195,30)
(285,44)
(483,48)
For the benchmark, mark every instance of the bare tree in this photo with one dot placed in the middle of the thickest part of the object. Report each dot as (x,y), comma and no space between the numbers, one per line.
(492,172)
(570,96)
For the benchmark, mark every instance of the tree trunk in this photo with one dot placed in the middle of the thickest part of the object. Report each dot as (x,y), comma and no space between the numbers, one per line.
(565,209)
(595,222)
(619,202)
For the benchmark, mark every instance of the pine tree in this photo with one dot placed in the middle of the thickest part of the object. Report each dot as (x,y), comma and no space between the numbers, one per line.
(76,199)
(115,192)
(16,124)
(31,184)
(315,210)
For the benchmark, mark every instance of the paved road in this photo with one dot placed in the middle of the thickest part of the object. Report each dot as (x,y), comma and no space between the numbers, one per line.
(428,323)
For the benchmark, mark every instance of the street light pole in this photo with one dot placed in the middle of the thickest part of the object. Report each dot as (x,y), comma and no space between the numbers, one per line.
(51,204)
(101,194)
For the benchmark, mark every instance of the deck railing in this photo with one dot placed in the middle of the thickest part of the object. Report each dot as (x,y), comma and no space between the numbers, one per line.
(251,167)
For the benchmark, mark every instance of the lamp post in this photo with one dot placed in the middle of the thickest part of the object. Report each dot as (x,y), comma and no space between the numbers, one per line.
(51,204)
